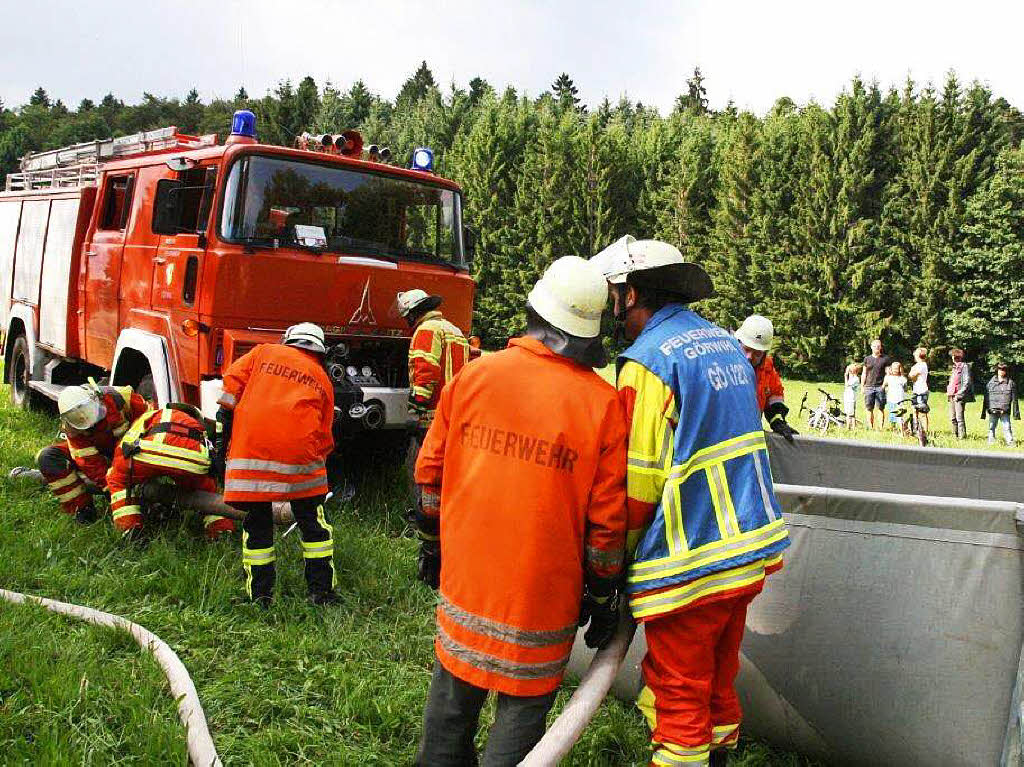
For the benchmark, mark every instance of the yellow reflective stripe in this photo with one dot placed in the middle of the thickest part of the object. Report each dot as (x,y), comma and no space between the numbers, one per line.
(719,489)
(709,553)
(719,453)
(258,556)
(673,599)
(318,549)
(57,484)
(85,452)
(165,417)
(671,754)
(724,732)
(73,493)
(172,463)
(423,390)
(675,532)
(418,354)
(209,519)
(645,701)
(120,495)
(202,455)
(137,427)
(126,511)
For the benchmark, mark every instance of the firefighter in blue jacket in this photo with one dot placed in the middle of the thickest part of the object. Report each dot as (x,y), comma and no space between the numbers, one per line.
(704,524)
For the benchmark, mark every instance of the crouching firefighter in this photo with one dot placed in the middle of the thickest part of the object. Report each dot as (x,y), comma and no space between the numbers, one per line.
(522,521)
(274,437)
(755,336)
(169,442)
(94,418)
(703,517)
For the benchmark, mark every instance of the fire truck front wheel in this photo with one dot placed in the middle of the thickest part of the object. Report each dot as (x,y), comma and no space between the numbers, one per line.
(18,375)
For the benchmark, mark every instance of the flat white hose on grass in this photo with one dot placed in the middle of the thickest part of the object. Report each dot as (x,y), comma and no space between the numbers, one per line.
(201,751)
(594,686)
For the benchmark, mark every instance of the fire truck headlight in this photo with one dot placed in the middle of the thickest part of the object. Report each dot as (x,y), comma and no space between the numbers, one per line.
(352,370)
(423,159)
(367,371)
(243,124)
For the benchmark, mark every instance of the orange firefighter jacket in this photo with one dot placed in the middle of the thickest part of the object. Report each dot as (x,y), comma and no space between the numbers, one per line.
(283,405)
(437,352)
(769,384)
(528,452)
(92,450)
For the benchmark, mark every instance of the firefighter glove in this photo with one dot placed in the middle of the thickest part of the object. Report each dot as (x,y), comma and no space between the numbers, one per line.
(776,415)
(430,563)
(221,439)
(603,615)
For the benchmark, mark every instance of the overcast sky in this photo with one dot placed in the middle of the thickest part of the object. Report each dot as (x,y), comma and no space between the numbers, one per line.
(752,52)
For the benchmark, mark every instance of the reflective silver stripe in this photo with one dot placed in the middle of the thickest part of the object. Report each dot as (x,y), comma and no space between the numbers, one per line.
(601,558)
(766,497)
(227,399)
(264,486)
(257,558)
(717,454)
(645,571)
(276,467)
(502,631)
(716,478)
(495,665)
(666,445)
(686,757)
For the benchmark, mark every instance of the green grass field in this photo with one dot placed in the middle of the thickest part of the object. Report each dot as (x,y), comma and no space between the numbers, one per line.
(293,685)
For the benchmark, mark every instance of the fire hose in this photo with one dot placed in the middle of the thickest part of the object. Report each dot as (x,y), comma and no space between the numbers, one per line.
(594,686)
(201,751)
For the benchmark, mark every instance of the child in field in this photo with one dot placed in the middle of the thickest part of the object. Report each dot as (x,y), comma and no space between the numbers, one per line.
(895,384)
(919,375)
(851,385)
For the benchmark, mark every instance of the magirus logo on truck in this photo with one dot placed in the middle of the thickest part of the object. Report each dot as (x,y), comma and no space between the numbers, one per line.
(159,258)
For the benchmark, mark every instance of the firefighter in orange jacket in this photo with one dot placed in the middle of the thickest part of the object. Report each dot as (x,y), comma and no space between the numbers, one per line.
(169,442)
(522,508)
(705,528)
(437,352)
(755,336)
(94,420)
(274,437)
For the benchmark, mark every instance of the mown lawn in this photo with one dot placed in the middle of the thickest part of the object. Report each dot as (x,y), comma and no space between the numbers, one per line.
(293,685)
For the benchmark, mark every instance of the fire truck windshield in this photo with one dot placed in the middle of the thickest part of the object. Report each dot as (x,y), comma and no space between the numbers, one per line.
(281,202)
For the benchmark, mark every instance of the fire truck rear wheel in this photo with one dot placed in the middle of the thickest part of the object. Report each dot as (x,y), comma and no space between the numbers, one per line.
(21,395)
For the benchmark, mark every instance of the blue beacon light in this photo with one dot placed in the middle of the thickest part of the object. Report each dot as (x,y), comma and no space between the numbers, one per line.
(423,159)
(243,124)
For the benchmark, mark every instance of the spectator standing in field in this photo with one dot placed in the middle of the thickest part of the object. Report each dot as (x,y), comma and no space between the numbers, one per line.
(1000,400)
(871,381)
(851,385)
(919,376)
(895,384)
(958,392)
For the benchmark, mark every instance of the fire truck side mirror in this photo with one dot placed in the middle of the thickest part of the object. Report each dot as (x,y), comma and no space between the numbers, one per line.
(469,244)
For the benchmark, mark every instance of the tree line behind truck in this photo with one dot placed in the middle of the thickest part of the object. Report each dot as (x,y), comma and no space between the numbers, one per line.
(896,213)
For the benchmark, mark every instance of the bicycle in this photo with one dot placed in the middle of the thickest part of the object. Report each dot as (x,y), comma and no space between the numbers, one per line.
(908,415)
(827,413)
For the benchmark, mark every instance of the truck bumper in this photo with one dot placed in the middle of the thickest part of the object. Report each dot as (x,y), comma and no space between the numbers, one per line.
(394,403)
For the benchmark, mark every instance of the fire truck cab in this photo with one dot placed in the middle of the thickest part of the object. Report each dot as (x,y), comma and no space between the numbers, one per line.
(158,259)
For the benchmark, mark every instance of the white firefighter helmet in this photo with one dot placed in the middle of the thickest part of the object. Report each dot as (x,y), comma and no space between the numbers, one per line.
(571,296)
(306,335)
(655,264)
(80,407)
(756,332)
(408,300)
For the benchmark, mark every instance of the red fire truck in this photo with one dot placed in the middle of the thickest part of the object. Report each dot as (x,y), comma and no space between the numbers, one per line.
(157,259)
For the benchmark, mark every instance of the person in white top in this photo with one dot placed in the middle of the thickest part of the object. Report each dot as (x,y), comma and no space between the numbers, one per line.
(851,385)
(919,375)
(895,384)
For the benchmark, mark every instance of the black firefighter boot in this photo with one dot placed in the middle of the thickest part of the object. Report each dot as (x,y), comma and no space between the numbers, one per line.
(320,581)
(719,757)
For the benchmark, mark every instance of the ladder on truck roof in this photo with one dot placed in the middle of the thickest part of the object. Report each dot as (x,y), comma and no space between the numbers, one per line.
(78,165)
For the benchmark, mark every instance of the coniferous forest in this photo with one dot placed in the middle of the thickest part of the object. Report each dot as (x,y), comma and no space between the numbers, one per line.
(895,213)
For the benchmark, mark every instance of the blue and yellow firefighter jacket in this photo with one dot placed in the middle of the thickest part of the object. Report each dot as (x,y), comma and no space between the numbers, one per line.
(703,515)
